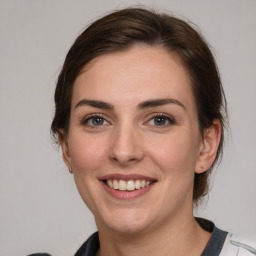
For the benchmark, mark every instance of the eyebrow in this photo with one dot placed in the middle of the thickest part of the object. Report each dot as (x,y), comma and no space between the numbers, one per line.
(159,102)
(143,105)
(94,103)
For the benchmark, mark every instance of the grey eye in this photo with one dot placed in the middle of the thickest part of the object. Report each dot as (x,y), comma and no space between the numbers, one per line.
(160,120)
(97,121)
(94,121)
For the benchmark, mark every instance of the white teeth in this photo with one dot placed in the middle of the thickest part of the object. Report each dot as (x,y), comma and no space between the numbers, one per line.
(129,185)
(122,185)
(110,183)
(115,184)
(142,183)
(137,184)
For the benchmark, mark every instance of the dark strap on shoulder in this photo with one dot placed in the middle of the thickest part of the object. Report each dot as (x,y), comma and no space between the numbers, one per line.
(217,240)
(213,248)
(39,254)
(90,247)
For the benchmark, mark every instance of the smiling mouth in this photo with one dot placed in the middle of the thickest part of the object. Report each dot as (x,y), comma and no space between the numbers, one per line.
(129,185)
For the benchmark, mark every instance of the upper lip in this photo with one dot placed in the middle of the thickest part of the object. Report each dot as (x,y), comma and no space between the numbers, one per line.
(126,177)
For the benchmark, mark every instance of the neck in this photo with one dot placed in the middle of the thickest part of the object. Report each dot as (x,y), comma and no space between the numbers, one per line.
(175,238)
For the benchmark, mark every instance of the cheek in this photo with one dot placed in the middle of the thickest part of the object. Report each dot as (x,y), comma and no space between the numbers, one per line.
(87,153)
(176,154)
(88,156)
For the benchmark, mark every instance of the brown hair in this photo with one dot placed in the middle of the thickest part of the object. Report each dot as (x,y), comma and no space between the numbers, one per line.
(122,29)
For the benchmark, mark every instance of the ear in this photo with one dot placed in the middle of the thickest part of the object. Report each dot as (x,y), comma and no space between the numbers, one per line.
(208,147)
(65,149)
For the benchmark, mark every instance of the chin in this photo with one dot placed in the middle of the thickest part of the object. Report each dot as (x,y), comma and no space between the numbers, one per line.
(125,221)
(129,227)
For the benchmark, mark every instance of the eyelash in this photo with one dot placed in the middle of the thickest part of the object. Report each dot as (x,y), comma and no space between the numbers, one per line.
(92,117)
(165,117)
(169,119)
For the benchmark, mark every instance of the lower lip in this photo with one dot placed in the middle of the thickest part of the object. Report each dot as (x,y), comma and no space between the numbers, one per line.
(126,195)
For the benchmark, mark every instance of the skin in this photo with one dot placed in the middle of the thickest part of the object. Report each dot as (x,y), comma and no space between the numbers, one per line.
(128,140)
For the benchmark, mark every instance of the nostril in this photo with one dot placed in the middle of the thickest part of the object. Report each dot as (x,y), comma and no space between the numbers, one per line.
(125,149)
(125,158)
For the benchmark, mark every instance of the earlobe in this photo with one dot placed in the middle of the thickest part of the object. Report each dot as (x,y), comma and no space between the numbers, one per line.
(64,148)
(209,147)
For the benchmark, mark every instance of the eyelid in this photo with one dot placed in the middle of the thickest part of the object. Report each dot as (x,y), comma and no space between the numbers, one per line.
(85,119)
(170,118)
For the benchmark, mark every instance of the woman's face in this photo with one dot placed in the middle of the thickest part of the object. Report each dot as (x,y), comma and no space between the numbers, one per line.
(134,141)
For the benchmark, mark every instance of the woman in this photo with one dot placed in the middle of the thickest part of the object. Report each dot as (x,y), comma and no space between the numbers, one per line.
(139,117)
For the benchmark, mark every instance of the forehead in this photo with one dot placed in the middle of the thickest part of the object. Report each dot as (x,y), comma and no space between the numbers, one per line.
(140,73)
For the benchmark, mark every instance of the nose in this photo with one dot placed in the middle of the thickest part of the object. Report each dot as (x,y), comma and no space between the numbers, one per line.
(126,145)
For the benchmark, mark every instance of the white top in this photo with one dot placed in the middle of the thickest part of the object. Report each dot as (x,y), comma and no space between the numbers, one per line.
(235,246)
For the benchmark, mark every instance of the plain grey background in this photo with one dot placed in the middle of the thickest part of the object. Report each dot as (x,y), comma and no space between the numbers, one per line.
(40,207)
